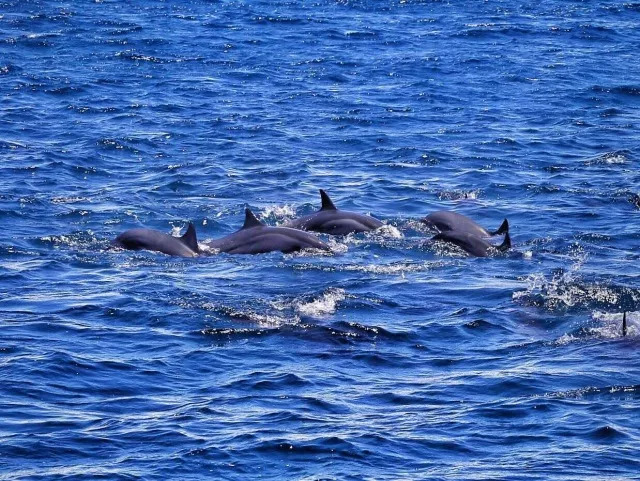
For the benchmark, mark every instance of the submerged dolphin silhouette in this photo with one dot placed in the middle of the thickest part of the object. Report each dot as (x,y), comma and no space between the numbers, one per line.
(256,237)
(153,240)
(473,244)
(331,220)
(447,221)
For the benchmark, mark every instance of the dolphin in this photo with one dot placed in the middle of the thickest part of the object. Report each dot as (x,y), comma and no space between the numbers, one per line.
(447,221)
(255,237)
(473,244)
(153,240)
(331,220)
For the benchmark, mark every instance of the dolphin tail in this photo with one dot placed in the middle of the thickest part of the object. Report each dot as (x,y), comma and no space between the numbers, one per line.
(624,324)
(503,229)
(327,204)
(506,244)
(189,238)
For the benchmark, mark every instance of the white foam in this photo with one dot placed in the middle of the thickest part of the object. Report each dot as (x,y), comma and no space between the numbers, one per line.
(69,200)
(260,319)
(207,249)
(388,230)
(324,305)
(609,327)
(282,212)
(608,158)
(398,268)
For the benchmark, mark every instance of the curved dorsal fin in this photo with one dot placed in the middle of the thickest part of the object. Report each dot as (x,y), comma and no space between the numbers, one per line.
(326,201)
(189,238)
(250,220)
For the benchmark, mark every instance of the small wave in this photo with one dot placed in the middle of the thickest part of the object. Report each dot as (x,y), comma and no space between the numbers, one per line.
(324,305)
(364,34)
(480,325)
(11,145)
(608,326)
(563,291)
(278,19)
(69,200)
(260,319)
(233,333)
(75,240)
(396,268)
(371,332)
(115,144)
(138,57)
(268,381)
(459,194)
(8,69)
(609,158)
(607,433)
(631,90)
(633,390)
(334,248)
(351,120)
(482,30)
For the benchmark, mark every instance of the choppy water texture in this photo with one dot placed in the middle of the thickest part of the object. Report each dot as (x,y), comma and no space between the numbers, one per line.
(391,358)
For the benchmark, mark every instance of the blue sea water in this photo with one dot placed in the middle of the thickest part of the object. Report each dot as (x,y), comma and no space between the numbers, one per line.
(393,357)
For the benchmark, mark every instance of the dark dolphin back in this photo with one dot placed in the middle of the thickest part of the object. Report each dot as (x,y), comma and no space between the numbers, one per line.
(255,237)
(473,244)
(470,243)
(447,221)
(153,240)
(331,220)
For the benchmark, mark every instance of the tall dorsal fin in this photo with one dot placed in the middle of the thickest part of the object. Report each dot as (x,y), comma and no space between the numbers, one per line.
(189,238)
(326,201)
(624,323)
(250,220)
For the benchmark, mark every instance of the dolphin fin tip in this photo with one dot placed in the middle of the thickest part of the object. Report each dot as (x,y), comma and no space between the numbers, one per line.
(327,204)
(503,229)
(250,220)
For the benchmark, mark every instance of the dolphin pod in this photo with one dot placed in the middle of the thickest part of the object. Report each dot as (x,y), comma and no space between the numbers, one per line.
(255,237)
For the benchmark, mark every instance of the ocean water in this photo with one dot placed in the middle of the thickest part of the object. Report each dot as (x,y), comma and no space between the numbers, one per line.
(390,358)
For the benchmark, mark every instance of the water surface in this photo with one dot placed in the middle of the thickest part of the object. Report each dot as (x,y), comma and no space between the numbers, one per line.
(392,358)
